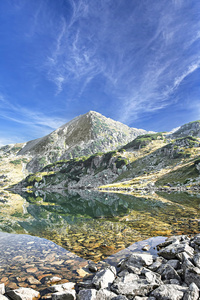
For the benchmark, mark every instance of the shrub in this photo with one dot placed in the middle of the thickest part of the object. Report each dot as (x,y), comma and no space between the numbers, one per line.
(16,162)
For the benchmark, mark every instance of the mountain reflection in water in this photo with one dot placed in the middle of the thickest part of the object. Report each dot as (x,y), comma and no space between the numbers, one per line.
(95,225)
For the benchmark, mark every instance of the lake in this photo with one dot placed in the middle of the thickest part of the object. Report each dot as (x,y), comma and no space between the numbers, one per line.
(95,225)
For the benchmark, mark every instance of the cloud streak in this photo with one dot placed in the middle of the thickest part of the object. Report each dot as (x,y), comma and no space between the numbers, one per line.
(122,58)
(28,117)
(142,67)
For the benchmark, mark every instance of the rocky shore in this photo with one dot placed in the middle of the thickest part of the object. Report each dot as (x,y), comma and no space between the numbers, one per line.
(153,188)
(172,275)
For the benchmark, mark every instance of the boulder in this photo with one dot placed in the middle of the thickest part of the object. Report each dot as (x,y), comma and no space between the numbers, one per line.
(61,287)
(183,256)
(158,262)
(104,294)
(23,294)
(92,267)
(192,293)
(170,273)
(54,279)
(192,275)
(171,251)
(2,288)
(151,276)
(2,297)
(120,297)
(88,294)
(196,260)
(132,285)
(169,292)
(196,239)
(175,263)
(137,260)
(104,278)
(64,295)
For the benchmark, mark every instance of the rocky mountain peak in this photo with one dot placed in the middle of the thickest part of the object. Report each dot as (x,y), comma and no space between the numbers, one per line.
(188,129)
(84,135)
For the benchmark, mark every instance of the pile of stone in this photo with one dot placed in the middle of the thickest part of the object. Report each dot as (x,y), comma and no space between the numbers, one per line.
(173,275)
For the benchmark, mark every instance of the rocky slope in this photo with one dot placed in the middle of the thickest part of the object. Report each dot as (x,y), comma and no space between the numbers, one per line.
(84,135)
(189,129)
(78,173)
(148,160)
(155,158)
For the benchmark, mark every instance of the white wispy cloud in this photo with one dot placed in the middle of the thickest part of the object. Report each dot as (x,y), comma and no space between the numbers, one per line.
(189,71)
(166,69)
(38,121)
(143,56)
(71,60)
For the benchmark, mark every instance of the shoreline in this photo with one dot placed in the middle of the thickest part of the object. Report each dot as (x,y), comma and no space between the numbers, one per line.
(172,274)
(195,188)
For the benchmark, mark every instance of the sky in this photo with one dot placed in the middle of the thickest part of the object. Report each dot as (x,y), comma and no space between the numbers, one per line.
(135,61)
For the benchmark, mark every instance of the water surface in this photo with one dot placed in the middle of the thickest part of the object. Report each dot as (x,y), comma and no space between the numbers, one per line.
(95,225)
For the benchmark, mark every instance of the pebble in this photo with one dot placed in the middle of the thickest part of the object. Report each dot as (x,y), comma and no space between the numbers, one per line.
(44,259)
(174,275)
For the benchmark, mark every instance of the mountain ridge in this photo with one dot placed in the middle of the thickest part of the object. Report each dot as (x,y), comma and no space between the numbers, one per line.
(92,150)
(82,136)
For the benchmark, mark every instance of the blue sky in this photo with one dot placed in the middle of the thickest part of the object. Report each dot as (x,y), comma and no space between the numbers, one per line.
(135,61)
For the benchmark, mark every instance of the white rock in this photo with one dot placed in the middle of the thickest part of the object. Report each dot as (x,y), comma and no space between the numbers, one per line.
(65,295)
(2,288)
(192,293)
(196,259)
(2,297)
(89,294)
(23,294)
(138,260)
(104,294)
(62,287)
(169,292)
(103,278)
(54,279)
(172,250)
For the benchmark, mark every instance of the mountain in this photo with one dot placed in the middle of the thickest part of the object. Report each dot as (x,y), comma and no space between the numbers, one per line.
(149,160)
(83,136)
(189,129)
(80,154)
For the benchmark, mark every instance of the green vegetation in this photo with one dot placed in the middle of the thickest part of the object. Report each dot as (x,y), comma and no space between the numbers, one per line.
(143,140)
(198,121)
(189,141)
(31,179)
(121,162)
(181,175)
(34,200)
(42,161)
(16,149)
(16,162)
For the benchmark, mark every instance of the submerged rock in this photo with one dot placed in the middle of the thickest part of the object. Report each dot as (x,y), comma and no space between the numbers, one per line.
(174,275)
